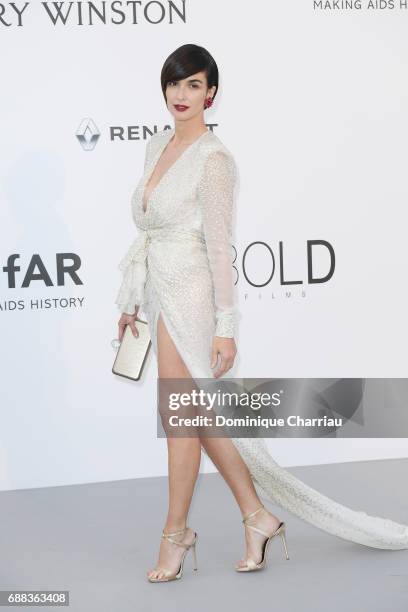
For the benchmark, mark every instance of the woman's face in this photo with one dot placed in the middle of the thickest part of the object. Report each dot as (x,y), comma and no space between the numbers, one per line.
(185,98)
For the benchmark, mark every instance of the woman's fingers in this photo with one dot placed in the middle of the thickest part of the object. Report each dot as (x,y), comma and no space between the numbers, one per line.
(127,320)
(226,349)
(121,330)
(134,329)
(225,365)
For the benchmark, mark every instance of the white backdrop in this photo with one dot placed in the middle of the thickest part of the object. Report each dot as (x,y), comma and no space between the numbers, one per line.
(312,103)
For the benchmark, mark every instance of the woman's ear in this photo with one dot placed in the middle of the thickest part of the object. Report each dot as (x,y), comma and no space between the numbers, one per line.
(211,91)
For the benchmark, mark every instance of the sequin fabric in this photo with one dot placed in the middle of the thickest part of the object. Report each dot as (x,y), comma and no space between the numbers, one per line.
(180,261)
(180,264)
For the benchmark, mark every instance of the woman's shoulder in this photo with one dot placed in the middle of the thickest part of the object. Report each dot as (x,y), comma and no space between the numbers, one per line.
(214,143)
(214,151)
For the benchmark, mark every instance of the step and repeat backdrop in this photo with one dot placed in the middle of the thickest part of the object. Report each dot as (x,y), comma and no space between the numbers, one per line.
(312,103)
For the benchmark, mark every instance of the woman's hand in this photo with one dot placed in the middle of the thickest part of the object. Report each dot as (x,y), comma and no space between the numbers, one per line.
(128,319)
(227,350)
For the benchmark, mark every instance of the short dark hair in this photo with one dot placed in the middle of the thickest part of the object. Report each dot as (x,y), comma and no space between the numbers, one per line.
(187,60)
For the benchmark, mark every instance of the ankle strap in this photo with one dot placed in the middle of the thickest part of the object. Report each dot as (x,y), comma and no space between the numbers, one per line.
(174,532)
(251,514)
(168,537)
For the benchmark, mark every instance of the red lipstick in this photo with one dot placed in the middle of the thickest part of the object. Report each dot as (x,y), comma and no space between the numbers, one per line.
(180,107)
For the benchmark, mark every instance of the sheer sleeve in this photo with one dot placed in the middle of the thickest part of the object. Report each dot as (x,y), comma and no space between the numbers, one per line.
(133,267)
(216,196)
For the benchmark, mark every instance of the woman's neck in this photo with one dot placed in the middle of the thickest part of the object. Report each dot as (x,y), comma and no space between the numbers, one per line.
(186,132)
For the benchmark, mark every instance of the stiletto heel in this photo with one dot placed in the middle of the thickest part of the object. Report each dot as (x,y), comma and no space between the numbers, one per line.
(195,554)
(168,575)
(250,563)
(283,537)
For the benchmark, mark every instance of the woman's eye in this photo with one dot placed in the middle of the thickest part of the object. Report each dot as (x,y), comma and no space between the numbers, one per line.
(194,85)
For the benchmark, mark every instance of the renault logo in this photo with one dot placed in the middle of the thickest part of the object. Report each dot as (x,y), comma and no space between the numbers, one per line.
(88,134)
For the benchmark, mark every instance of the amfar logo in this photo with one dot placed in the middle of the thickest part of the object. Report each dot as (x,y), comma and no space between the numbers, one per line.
(62,268)
(95,13)
(37,271)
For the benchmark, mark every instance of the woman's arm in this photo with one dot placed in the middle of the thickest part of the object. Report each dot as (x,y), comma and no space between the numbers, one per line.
(216,194)
(133,267)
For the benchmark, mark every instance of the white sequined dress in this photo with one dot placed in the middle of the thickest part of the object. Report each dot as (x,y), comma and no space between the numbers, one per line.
(180,264)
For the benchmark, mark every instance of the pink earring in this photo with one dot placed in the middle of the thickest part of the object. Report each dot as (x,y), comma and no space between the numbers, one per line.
(208,102)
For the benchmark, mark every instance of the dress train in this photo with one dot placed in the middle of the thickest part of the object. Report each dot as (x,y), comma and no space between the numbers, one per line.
(277,484)
(291,493)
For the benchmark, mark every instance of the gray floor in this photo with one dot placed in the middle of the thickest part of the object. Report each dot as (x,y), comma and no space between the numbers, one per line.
(98,540)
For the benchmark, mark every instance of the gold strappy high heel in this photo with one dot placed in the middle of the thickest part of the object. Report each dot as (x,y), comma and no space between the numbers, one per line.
(168,574)
(250,563)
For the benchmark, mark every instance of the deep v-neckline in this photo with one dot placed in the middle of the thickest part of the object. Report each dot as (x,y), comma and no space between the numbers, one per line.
(156,161)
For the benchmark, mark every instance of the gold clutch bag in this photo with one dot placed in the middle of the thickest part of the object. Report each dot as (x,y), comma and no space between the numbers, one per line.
(132,352)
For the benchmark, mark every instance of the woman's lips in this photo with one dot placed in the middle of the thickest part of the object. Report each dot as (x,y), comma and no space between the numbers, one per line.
(180,107)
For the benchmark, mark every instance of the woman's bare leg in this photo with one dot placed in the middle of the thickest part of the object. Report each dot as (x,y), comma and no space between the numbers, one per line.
(184,455)
(234,470)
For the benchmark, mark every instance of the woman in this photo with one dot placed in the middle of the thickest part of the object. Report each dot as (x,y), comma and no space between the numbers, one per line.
(179,270)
